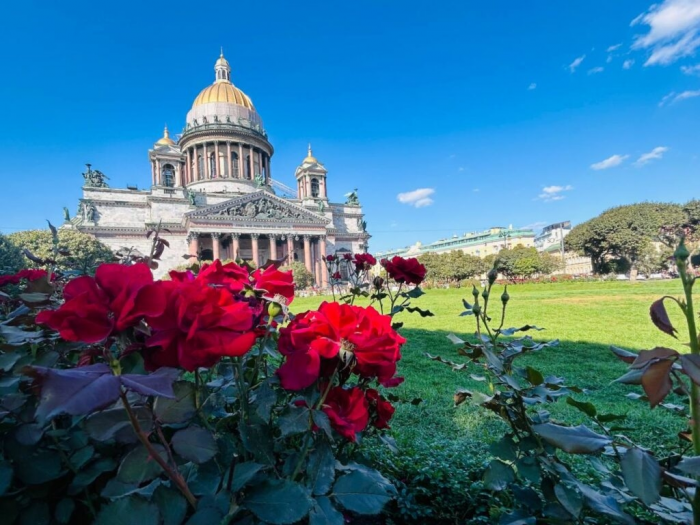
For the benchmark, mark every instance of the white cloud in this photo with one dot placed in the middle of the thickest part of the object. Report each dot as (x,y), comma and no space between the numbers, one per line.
(461,168)
(691,70)
(627,64)
(673,31)
(553,193)
(576,63)
(476,190)
(610,162)
(418,198)
(655,154)
(532,86)
(595,70)
(614,48)
(674,97)
(609,59)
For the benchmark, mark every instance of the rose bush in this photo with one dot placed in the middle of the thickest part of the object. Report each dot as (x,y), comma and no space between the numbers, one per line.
(200,397)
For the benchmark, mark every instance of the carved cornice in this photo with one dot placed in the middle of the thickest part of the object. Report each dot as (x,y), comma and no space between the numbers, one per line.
(118,204)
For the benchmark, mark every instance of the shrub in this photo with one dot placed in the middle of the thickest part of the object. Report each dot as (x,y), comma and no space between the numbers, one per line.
(75,250)
(10,256)
(302,277)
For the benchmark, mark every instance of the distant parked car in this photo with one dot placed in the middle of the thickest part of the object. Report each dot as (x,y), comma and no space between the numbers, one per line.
(641,277)
(622,277)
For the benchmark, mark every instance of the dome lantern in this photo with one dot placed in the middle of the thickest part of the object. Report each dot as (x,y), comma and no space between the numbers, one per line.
(222,68)
(165,140)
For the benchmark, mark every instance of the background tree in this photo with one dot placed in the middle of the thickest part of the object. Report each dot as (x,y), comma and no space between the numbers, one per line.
(522,261)
(626,232)
(302,277)
(77,251)
(11,258)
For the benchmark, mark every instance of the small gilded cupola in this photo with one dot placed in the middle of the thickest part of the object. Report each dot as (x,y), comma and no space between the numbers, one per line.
(311,178)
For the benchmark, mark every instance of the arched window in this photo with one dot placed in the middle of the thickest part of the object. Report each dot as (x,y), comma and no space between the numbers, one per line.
(234,161)
(247,167)
(314,188)
(212,166)
(168,175)
(200,167)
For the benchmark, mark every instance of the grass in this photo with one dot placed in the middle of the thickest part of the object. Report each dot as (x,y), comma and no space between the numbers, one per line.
(585,317)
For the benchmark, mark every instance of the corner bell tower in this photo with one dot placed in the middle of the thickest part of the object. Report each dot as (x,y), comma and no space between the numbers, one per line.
(311,179)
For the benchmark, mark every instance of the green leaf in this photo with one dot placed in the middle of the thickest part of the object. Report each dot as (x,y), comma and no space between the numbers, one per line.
(257,440)
(86,476)
(504,448)
(205,516)
(243,473)
(363,491)
(64,510)
(517,517)
(132,510)
(265,398)
(171,504)
(574,440)
(324,513)
(82,456)
(178,410)
(5,477)
(39,467)
(455,340)
(423,313)
(587,408)
(195,444)
(8,360)
(415,293)
(642,475)
(294,420)
(138,467)
(690,466)
(498,475)
(570,499)
(534,376)
(321,420)
(321,469)
(203,480)
(606,505)
(279,502)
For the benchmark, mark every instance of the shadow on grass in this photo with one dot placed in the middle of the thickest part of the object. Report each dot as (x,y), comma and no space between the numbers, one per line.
(587,365)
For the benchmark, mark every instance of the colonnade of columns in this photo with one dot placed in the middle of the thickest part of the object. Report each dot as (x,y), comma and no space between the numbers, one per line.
(311,249)
(225,160)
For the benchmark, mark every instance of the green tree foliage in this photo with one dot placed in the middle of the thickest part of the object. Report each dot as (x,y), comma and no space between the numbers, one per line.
(452,266)
(77,250)
(522,261)
(11,258)
(628,231)
(302,277)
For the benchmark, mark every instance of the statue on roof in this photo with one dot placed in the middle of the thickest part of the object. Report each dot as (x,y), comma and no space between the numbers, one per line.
(94,178)
(66,214)
(321,206)
(191,197)
(352,198)
(259,180)
(361,224)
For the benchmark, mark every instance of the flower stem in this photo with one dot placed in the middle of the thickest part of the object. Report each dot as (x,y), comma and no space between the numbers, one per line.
(173,474)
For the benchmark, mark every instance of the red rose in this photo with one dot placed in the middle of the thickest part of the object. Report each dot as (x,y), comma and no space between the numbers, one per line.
(200,325)
(337,276)
(405,270)
(361,337)
(347,411)
(347,256)
(29,275)
(275,283)
(364,261)
(330,258)
(382,409)
(117,298)
(230,275)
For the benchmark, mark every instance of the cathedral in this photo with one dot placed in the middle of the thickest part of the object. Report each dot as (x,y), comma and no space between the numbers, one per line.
(213,190)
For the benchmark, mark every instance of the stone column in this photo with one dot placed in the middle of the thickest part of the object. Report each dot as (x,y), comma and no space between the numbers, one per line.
(188,167)
(250,163)
(217,162)
(307,181)
(207,175)
(273,246)
(216,246)
(229,162)
(241,160)
(324,271)
(256,253)
(178,174)
(269,168)
(307,253)
(153,173)
(290,249)
(235,245)
(193,240)
(196,163)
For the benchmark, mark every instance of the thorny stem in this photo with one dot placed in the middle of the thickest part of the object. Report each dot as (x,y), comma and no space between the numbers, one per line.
(174,475)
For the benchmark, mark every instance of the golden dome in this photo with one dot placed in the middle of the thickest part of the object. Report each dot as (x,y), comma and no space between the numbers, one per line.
(310,159)
(166,140)
(223,91)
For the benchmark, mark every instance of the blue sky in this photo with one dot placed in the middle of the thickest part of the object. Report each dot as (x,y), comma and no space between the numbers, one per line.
(449,117)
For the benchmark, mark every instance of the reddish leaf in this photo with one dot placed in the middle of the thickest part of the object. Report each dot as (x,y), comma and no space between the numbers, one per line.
(164,242)
(623,355)
(29,255)
(691,366)
(656,381)
(646,356)
(660,318)
(159,383)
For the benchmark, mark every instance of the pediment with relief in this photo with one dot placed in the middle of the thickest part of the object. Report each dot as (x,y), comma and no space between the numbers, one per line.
(258,206)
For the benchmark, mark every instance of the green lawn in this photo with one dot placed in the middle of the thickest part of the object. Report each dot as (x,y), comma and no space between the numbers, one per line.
(585,317)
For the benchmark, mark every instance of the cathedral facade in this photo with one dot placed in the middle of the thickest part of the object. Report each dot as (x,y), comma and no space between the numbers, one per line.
(213,191)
